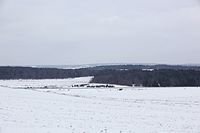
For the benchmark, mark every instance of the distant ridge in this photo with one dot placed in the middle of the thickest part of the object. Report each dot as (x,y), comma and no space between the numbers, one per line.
(188,66)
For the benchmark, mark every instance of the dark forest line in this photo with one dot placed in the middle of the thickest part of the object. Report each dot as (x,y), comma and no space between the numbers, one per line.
(156,78)
(41,73)
(163,76)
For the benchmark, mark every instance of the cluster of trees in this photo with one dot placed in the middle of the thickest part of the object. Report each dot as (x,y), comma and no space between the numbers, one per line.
(40,73)
(155,78)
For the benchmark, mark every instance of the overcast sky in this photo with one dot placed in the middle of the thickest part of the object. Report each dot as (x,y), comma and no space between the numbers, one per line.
(44,32)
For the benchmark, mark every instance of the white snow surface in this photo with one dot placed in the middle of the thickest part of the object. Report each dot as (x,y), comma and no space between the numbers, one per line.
(132,110)
(44,82)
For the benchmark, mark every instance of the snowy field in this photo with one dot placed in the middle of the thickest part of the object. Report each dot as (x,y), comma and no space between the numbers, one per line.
(44,82)
(108,110)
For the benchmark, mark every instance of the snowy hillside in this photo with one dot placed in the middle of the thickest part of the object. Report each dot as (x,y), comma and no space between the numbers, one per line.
(132,110)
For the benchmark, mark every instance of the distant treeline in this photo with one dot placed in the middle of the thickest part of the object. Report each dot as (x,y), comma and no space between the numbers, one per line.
(41,73)
(155,67)
(156,78)
(164,76)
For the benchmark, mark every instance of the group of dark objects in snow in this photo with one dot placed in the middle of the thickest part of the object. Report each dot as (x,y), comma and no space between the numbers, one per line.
(94,86)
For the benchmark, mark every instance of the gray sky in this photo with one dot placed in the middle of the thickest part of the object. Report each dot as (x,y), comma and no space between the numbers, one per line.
(44,32)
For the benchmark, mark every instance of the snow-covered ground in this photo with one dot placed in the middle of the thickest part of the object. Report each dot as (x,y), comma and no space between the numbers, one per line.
(132,110)
(45,82)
